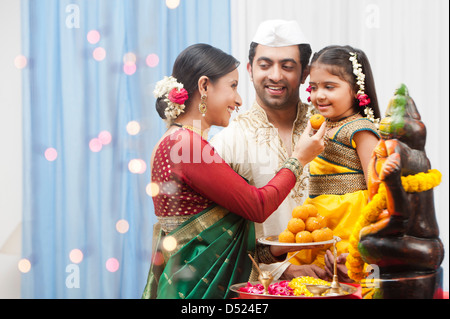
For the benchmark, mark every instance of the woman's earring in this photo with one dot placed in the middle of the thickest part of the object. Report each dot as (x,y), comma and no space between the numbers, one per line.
(202,106)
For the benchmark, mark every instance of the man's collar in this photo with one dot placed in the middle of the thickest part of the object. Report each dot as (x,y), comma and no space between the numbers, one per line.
(301,112)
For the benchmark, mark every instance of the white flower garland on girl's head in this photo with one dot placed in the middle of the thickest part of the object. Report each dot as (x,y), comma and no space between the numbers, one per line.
(175,96)
(363,98)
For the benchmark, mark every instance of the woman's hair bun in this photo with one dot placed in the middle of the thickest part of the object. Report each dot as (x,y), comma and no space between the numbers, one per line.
(161,106)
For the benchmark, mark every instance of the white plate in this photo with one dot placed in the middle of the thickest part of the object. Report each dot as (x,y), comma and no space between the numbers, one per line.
(273,241)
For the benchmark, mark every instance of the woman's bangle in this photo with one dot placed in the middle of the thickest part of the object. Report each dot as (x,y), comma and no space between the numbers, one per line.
(265,255)
(293,164)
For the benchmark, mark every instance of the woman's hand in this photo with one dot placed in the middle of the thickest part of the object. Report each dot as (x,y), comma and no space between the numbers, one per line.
(310,145)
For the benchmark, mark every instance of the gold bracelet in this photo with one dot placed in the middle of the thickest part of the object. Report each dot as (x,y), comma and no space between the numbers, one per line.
(294,166)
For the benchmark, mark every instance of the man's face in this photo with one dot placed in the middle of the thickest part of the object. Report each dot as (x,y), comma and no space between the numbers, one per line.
(276,74)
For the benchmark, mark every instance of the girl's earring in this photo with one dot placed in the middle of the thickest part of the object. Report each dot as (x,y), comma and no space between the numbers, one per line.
(202,106)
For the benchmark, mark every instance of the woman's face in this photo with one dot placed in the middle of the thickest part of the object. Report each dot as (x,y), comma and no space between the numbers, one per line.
(223,98)
(332,96)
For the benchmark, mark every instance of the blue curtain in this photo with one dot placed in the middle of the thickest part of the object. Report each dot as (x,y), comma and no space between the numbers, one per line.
(80,93)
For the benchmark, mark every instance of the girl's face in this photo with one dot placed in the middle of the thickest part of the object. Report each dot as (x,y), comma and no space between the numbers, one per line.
(223,98)
(331,96)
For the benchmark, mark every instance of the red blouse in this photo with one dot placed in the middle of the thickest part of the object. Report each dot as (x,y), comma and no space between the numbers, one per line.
(191,177)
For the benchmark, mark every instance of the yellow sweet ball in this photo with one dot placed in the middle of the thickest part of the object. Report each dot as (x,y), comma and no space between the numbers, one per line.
(312,224)
(304,237)
(316,121)
(312,210)
(300,212)
(296,225)
(286,237)
(322,220)
(323,234)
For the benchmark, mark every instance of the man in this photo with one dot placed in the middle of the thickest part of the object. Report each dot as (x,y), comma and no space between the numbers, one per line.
(258,141)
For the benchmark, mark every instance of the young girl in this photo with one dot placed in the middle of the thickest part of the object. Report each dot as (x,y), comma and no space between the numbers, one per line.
(342,89)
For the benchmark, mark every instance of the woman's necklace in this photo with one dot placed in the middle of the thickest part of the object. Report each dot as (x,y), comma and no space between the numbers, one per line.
(203,134)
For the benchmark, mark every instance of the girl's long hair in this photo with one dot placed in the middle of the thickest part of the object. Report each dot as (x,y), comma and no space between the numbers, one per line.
(338,58)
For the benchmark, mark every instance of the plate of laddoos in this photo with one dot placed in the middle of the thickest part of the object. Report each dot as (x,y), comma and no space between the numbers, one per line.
(306,229)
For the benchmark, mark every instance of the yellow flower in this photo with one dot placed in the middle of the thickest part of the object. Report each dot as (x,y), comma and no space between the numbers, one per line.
(299,285)
(421,182)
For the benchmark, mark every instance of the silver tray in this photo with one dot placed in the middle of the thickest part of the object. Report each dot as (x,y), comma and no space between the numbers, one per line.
(273,241)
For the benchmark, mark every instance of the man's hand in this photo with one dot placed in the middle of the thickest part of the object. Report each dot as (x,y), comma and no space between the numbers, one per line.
(294,271)
(341,268)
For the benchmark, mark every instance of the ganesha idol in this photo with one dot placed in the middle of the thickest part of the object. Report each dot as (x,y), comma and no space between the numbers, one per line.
(398,231)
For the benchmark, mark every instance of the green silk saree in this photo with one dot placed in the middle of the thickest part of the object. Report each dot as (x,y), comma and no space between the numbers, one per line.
(211,255)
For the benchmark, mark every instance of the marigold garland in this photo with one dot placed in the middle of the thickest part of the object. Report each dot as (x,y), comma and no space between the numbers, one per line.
(412,184)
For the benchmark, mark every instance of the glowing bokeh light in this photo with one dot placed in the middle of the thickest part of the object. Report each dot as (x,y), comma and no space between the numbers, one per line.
(112,265)
(152,60)
(133,128)
(51,154)
(99,54)
(137,166)
(122,226)
(172,4)
(152,189)
(95,145)
(76,256)
(170,243)
(129,57)
(24,265)
(129,68)
(20,62)
(93,36)
(105,137)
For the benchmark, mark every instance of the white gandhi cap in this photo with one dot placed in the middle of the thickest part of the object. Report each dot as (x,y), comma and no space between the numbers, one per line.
(279,33)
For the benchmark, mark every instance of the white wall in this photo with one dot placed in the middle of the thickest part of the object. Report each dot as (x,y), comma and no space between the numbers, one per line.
(11,149)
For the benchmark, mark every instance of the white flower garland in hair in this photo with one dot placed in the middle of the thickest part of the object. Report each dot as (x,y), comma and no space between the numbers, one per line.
(175,95)
(357,70)
(370,116)
(363,98)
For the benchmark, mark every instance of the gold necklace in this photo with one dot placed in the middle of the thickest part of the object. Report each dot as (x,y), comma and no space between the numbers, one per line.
(194,129)
(345,120)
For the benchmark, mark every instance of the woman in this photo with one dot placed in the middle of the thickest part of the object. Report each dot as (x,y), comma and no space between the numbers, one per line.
(203,206)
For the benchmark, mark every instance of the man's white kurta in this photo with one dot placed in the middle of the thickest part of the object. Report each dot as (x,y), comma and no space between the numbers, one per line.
(253,148)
